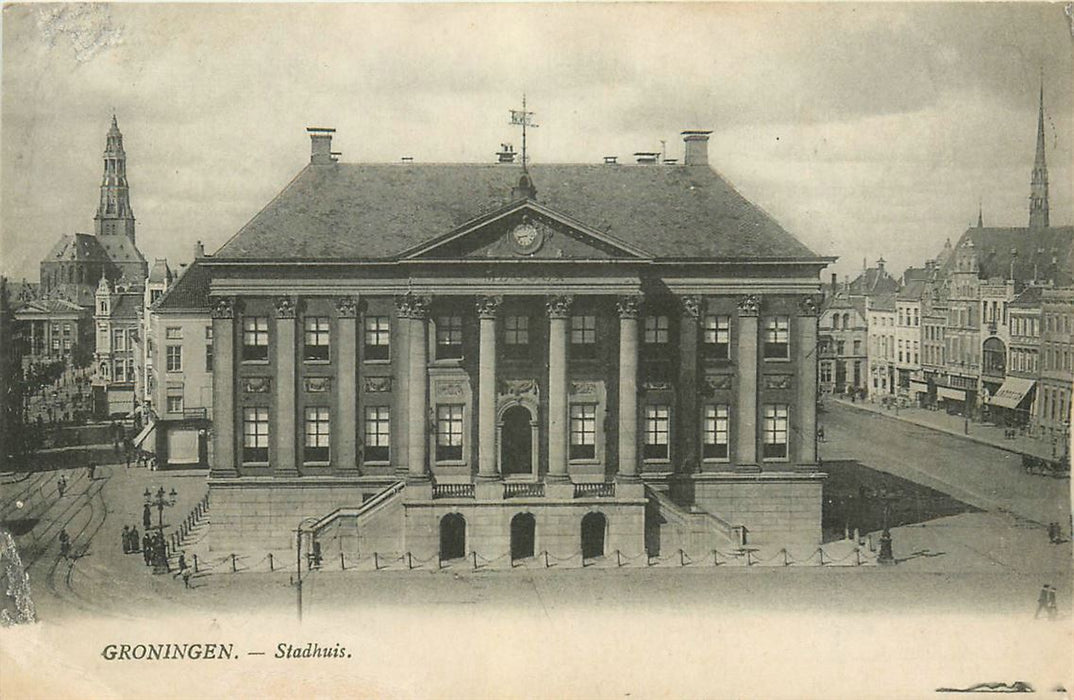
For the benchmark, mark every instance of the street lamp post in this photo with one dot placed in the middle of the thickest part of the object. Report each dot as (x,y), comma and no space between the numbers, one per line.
(298,561)
(886,555)
(160,501)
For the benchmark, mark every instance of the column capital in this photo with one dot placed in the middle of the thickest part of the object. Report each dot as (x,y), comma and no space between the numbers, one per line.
(347,306)
(488,306)
(285,306)
(691,306)
(749,305)
(559,306)
(223,307)
(627,305)
(807,305)
(411,305)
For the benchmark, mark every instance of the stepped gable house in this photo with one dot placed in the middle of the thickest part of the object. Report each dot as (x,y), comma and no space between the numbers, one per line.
(455,358)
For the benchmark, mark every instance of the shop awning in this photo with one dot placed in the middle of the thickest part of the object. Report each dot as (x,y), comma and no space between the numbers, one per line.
(920,387)
(1012,392)
(946,392)
(144,435)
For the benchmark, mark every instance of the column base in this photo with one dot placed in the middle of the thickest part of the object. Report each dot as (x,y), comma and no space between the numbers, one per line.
(747,469)
(494,476)
(488,489)
(551,478)
(419,488)
(627,478)
(560,490)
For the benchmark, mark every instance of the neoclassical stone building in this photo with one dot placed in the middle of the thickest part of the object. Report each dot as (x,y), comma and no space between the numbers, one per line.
(564,358)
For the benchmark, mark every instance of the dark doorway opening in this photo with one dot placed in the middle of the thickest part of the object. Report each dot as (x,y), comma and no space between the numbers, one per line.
(593,527)
(517,451)
(452,537)
(523,529)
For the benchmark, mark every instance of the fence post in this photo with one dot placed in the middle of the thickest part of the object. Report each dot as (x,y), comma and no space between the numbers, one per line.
(545,558)
(749,560)
(618,558)
(715,560)
(682,558)
(233,568)
(195,563)
(376,562)
(271,563)
(409,561)
(820,551)
(474,554)
(786,561)
(857,555)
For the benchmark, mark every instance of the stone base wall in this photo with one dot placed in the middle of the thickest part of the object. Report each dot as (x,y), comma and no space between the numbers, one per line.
(777,509)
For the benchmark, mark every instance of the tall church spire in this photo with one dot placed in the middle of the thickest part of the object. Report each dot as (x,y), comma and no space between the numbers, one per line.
(1038,189)
(114,216)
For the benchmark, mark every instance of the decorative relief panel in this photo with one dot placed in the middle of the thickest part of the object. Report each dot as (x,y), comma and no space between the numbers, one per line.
(586,389)
(656,386)
(450,390)
(691,306)
(378,385)
(718,381)
(807,306)
(519,387)
(256,385)
(318,385)
(778,381)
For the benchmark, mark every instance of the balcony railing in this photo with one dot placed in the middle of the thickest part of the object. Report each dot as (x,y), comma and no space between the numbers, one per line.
(453,490)
(523,490)
(603,489)
(193,413)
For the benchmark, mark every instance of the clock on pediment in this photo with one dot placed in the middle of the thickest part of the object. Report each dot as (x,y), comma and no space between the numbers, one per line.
(526,238)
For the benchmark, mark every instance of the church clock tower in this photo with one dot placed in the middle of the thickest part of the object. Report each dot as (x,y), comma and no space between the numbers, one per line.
(114,216)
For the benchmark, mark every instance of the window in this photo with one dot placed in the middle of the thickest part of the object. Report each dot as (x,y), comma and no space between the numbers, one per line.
(377,337)
(154,295)
(66,343)
(777,335)
(316,339)
(317,435)
(119,371)
(255,339)
(175,404)
(255,434)
(117,339)
(717,337)
(173,358)
(377,434)
(584,336)
(656,330)
(826,372)
(449,432)
(208,332)
(840,347)
(715,431)
(775,431)
(173,333)
(516,335)
(657,427)
(448,337)
(67,329)
(583,431)
(209,357)
(857,347)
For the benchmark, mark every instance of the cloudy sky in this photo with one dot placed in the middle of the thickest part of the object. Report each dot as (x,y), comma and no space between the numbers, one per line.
(866,130)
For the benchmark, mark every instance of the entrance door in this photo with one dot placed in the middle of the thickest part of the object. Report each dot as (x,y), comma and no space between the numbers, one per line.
(452,537)
(593,526)
(523,527)
(516,452)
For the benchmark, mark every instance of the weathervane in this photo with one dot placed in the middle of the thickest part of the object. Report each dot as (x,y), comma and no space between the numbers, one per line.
(520,117)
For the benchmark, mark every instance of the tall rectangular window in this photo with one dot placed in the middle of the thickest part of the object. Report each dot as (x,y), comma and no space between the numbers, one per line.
(448,337)
(255,434)
(657,432)
(448,432)
(775,431)
(584,336)
(656,330)
(173,359)
(317,336)
(377,337)
(377,434)
(716,338)
(318,437)
(826,372)
(777,337)
(175,404)
(209,357)
(583,431)
(255,339)
(715,429)
(516,334)
(117,339)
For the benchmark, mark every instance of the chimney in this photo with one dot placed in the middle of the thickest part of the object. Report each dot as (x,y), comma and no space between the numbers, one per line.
(835,284)
(506,154)
(199,250)
(611,160)
(697,147)
(646,158)
(321,145)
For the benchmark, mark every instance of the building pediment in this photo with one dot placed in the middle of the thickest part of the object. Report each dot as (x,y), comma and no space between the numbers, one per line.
(526,231)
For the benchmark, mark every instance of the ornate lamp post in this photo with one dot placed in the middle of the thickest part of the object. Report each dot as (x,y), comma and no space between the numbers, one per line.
(886,556)
(160,501)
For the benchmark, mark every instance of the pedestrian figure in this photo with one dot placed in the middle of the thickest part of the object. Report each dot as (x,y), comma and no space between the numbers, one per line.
(147,517)
(184,571)
(65,544)
(90,469)
(147,549)
(1053,611)
(1042,601)
(182,561)
(126,539)
(61,486)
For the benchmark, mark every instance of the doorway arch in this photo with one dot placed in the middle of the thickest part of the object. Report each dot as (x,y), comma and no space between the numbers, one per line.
(523,536)
(452,537)
(516,441)
(594,526)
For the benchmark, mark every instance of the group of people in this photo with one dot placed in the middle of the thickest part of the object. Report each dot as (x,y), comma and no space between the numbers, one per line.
(154,550)
(131,542)
(1046,603)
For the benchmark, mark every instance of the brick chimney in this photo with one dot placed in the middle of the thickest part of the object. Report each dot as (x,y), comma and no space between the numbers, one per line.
(321,145)
(697,147)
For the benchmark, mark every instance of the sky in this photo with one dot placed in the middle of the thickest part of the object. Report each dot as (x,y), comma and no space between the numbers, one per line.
(865,130)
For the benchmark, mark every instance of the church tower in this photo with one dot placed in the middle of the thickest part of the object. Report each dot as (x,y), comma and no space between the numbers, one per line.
(114,216)
(1038,189)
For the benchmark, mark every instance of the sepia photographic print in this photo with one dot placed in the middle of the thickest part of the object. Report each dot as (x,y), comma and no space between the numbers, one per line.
(702,350)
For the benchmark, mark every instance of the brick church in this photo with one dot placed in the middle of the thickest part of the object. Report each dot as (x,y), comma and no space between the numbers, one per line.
(512,358)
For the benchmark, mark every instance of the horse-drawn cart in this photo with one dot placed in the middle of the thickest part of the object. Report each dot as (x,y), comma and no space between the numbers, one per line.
(1058,468)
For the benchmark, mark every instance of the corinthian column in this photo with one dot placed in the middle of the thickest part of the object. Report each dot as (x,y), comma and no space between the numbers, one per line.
(224,463)
(486,398)
(346,428)
(628,386)
(285,387)
(559,309)
(749,308)
(416,311)
(806,357)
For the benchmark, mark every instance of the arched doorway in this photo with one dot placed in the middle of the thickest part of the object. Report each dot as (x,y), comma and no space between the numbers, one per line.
(523,529)
(452,537)
(593,527)
(516,452)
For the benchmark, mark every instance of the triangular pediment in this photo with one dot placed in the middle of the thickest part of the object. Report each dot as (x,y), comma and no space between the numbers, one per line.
(529,231)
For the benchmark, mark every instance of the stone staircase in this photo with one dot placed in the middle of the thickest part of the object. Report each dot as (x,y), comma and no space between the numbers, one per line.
(689,529)
(374,526)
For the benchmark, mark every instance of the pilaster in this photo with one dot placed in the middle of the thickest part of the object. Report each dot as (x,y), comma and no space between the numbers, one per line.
(749,309)
(223,315)
(688,415)
(487,307)
(284,432)
(559,309)
(346,428)
(806,363)
(628,387)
